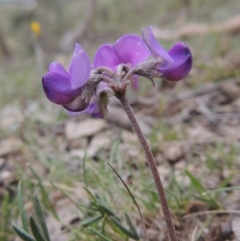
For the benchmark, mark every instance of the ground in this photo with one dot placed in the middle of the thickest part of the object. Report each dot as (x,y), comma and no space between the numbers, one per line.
(193,126)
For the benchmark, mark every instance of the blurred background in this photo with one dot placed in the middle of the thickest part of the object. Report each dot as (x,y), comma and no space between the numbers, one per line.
(193,126)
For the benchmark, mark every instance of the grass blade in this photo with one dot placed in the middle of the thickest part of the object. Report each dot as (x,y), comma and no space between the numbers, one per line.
(124,229)
(21,208)
(131,226)
(36,230)
(103,237)
(90,194)
(40,216)
(86,222)
(105,209)
(195,183)
(22,233)
(44,194)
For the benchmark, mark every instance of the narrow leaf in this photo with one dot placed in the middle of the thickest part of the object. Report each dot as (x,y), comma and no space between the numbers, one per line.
(5,209)
(40,216)
(124,229)
(21,208)
(105,209)
(131,226)
(22,233)
(196,183)
(36,230)
(44,194)
(86,222)
(89,192)
(102,236)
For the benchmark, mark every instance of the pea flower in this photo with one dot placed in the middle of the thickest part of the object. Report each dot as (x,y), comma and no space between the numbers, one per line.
(177,62)
(129,49)
(94,108)
(65,87)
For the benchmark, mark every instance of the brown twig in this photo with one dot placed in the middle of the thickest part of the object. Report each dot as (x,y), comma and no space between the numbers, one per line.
(152,166)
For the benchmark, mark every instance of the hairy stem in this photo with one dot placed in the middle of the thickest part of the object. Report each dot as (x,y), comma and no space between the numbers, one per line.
(152,165)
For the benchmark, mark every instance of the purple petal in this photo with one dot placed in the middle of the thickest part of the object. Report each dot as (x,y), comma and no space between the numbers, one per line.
(55,97)
(91,109)
(79,68)
(57,88)
(77,105)
(153,45)
(106,56)
(58,68)
(182,64)
(131,49)
(103,86)
(56,82)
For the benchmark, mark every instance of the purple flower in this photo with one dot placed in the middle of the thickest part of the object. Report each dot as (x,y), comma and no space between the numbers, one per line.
(177,62)
(129,49)
(93,107)
(64,88)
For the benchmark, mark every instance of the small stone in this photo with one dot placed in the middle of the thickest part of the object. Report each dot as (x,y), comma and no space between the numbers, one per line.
(10,146)
(174,153)
(89,127)
(128,137)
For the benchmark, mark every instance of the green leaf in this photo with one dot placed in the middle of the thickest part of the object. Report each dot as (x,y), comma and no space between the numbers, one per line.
(91,195)
(6,212)
(84,169)
(36,230)
(104,209)
(22,233)
(224,189)
(44,194)
(21,208)
(195,183)
(131,226)
(86,222)
(114,150)
(124,229)
(40,216)
(102,236)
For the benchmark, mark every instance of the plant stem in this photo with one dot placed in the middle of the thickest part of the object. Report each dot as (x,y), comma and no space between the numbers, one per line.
(152,165)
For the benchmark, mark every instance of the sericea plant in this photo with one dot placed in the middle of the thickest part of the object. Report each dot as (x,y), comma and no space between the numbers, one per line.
(86,88)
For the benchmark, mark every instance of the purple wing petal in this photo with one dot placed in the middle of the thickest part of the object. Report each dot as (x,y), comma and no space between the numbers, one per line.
(56,97)
(57,88)
(131,49)
(91,109)
(79,104)
(58,68)
(153,45)
(106,56)
(103,86)
(79,68)
(182,64)
(56,82)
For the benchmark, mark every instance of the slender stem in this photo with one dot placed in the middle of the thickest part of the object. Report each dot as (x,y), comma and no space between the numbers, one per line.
(152,165)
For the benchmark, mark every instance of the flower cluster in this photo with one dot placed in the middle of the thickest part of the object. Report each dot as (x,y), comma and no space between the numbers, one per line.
(79,89)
